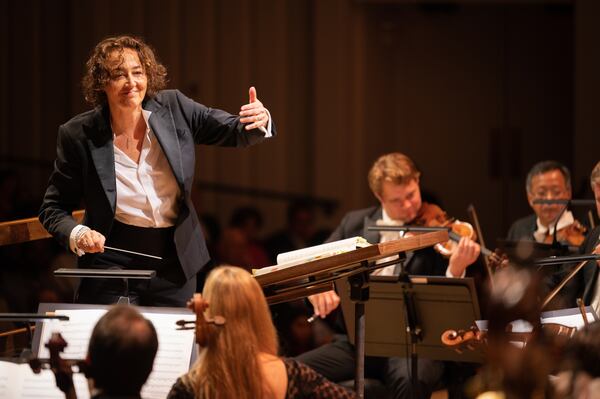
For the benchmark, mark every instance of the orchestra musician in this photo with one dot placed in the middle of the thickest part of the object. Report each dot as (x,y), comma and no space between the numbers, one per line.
(239,358)
(585,283)
(548,180)
(131,162)
(394,181)
(121,354)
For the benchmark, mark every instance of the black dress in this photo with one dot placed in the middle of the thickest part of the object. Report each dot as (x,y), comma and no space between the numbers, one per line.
(303,383)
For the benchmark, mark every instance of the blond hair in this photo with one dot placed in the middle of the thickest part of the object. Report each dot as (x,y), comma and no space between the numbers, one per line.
(396,168)
(229,367)
(595,176)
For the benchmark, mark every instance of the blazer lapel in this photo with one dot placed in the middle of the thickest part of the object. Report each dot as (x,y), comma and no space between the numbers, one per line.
(370,220)
(163,128)
(100,143)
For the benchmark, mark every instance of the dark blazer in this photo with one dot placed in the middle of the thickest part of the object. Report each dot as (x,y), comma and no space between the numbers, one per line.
(85,168)
(426,261)
(523,229)
(584,282)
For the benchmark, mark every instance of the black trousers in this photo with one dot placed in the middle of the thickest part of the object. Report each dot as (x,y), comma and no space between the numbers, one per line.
(168,288)
(336,362)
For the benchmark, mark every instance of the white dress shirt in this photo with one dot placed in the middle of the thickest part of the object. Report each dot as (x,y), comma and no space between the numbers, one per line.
(542,231)
(147,191)
(386,236)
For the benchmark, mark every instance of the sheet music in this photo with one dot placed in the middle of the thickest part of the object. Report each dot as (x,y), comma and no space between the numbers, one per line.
(173,357)
(323,250)
(300,256)
(18,381)
(567,317)
(174,346)
(77,332)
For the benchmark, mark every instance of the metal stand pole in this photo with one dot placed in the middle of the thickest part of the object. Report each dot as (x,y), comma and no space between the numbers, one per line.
(359,294)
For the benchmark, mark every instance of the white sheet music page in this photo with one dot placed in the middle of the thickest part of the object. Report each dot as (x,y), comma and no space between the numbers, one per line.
(174,353)
(18,381)
(77,331)
(301,256)
(174,346)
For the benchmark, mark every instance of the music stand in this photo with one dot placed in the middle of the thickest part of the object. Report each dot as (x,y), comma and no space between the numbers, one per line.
(27,318)
(124,274)
(438,302)
(355,266)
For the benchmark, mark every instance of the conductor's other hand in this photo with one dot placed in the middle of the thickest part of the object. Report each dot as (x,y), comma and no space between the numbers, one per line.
(91,241)
(324,303)
(254,112)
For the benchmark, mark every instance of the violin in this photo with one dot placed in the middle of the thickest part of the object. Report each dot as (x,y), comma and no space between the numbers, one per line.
(62,368)
(472,337)
(573,234)
(203,323)
(431,215)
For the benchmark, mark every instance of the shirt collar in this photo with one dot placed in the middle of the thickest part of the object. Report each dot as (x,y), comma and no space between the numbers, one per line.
(565,220)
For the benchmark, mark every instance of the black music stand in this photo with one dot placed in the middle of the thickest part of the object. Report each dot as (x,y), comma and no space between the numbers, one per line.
(319,275)
(430,305)
(124,274)
(438,302)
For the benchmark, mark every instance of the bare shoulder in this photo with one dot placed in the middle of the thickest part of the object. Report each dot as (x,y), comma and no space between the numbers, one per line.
(275,373)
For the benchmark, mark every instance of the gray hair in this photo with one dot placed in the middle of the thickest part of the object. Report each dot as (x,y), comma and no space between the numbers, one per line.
(547,166)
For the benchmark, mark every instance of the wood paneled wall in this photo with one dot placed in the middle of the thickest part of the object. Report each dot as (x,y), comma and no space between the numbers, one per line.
(475,94)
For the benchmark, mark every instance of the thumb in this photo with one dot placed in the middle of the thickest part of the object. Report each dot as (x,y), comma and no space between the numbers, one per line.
(252,93)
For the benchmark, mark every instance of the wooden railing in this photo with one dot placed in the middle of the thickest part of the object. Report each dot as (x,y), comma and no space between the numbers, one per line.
(23,230)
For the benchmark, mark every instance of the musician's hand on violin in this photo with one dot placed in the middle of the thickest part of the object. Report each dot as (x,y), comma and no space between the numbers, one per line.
(465,254)
(498,260)
(324,303)
(597,252)
(91,241)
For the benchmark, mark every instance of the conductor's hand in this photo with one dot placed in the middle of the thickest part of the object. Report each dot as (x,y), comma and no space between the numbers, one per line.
(91,241)
(324,303)
(465,254)
(254,112)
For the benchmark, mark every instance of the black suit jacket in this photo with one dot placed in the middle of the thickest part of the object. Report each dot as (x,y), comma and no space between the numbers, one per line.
(584,282)
(523,229)
(85,168)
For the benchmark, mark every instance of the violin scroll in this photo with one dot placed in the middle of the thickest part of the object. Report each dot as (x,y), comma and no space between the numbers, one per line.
(199,306)
(463,338)
(61,368)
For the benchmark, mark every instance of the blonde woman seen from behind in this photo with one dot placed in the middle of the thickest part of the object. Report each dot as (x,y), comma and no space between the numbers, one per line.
(240,358)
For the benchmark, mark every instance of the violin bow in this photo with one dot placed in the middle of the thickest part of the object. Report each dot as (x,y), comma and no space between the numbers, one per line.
(475,219)
(581,307)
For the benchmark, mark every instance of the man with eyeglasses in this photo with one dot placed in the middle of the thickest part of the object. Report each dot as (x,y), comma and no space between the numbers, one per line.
(547,180)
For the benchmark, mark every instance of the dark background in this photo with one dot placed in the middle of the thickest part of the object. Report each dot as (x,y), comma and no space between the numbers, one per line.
(475,92)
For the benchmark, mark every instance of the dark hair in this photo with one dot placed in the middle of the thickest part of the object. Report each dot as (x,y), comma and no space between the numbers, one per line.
(544,167)
(98,70)
(583,351)
(121,351)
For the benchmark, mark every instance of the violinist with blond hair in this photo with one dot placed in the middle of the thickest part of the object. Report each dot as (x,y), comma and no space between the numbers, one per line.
(394,180)
(239,358)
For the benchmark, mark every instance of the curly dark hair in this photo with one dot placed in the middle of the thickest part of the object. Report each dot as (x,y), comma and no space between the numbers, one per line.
(98,70)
